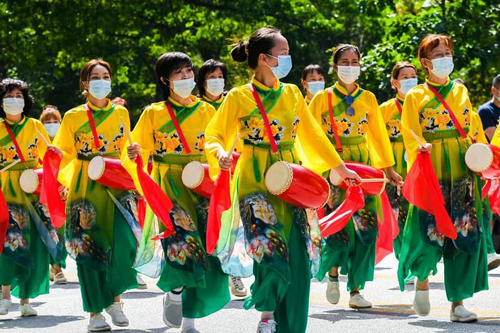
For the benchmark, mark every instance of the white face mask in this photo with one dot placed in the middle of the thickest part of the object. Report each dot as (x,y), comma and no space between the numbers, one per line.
(184,88)
(52,128)
(215,86)
(99,88)
(442,67)
(315,86)
(284,66)
(348,74)
(407,84)
(13,105)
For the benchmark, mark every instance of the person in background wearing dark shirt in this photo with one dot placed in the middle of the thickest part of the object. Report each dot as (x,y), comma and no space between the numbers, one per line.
(490,111)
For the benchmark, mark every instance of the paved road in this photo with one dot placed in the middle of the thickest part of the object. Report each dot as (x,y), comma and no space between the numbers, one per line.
(61,310)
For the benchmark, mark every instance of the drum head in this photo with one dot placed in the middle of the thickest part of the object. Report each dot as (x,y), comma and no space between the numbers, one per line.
(278,178)
(96,168)
(29,181)
(193,174)
(479,157)
(335,178)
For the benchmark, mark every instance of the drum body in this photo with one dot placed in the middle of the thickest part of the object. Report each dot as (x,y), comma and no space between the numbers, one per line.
(196,177)
(484,159)
(365,172)
(297,185)
(31,180)
(110,173)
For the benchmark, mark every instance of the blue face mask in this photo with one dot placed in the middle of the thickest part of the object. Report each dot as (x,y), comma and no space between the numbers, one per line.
(99,88)
(316,86)
(284,66)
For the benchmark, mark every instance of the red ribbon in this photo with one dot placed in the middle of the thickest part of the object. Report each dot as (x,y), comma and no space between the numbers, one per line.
(160,203)
(177,127)
(4,220)
(332,121)
(220,201)
(274,148)
(493,195)
(49,195)
(14,141)
(422,190)
(398,106)
(337,220)
(447,107)
(387,230)
(92,127)
(141,210)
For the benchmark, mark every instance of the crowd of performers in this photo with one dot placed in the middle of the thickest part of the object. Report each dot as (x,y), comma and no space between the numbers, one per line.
(260,181)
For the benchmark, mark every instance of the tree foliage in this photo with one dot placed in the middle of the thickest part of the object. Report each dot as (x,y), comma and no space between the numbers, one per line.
(46,42)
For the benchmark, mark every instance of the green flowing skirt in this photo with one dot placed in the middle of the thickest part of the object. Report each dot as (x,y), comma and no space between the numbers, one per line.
(465,258)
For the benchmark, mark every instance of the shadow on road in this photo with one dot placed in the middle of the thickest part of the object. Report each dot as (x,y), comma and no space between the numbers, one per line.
(69,285)
(37,322)
(448,326)
(142,294)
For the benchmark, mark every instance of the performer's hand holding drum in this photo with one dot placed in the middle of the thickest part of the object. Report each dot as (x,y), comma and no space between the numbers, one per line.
(31,181)
(373,183)
(297,185)
(110,173)
(484,159)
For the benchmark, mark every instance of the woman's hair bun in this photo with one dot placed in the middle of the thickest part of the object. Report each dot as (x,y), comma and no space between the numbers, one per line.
(239,53)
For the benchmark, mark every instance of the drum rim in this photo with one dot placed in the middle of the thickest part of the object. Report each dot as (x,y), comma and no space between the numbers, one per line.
(327,197)
(330,178)
(199,180)
(37,180)
(385,183)
(102,171)
(289,180)
(489,164)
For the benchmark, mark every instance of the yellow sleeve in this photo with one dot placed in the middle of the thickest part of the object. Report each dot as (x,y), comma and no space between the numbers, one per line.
(143,135)
(496,138)
(410,121)
(65,140)
(315,150)
(477,126)
(379,145)
(42,147)
(318,104)
(222,130)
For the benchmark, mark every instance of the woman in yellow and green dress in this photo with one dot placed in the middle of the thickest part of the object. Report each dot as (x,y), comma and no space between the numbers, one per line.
(211,80)
(403,78)
(465,259)
(359,134)
(174,130)
(101,227)
(24,263)
(277,234)
(313,81)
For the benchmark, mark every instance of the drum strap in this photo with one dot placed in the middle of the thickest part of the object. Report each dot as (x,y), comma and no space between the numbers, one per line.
(177,127)
(332,122)
(92,127)
(447,107)
(274,148)
(398,105)
(14,141)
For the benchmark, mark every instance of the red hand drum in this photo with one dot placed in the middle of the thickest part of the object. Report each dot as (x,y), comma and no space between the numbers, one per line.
(195,176)
(373,179)
(110,173)
(31,180)
(484,159)
(297,185)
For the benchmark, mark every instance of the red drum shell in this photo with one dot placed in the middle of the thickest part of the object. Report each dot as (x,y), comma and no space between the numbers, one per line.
(297,185)
(31,181)
(484,159)
(365,172)
(110,173)
(196,177)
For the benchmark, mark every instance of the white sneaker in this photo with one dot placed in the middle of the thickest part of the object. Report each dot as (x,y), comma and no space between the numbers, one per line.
(117,316)
(4,306)
(421,303)
(27,310)
(172,312)
(332,291)
(141,283)
(59,278)
(357,301)
(267,326)
(237,287)
(190,330)
(461,315)
(493,261)
(97,323)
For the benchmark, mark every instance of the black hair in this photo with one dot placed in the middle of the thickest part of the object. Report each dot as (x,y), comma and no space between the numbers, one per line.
(462,82)
(261,41)
(310,69)
(166,64)
(341,48)
(7,85)
(496,82)
(208,68)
